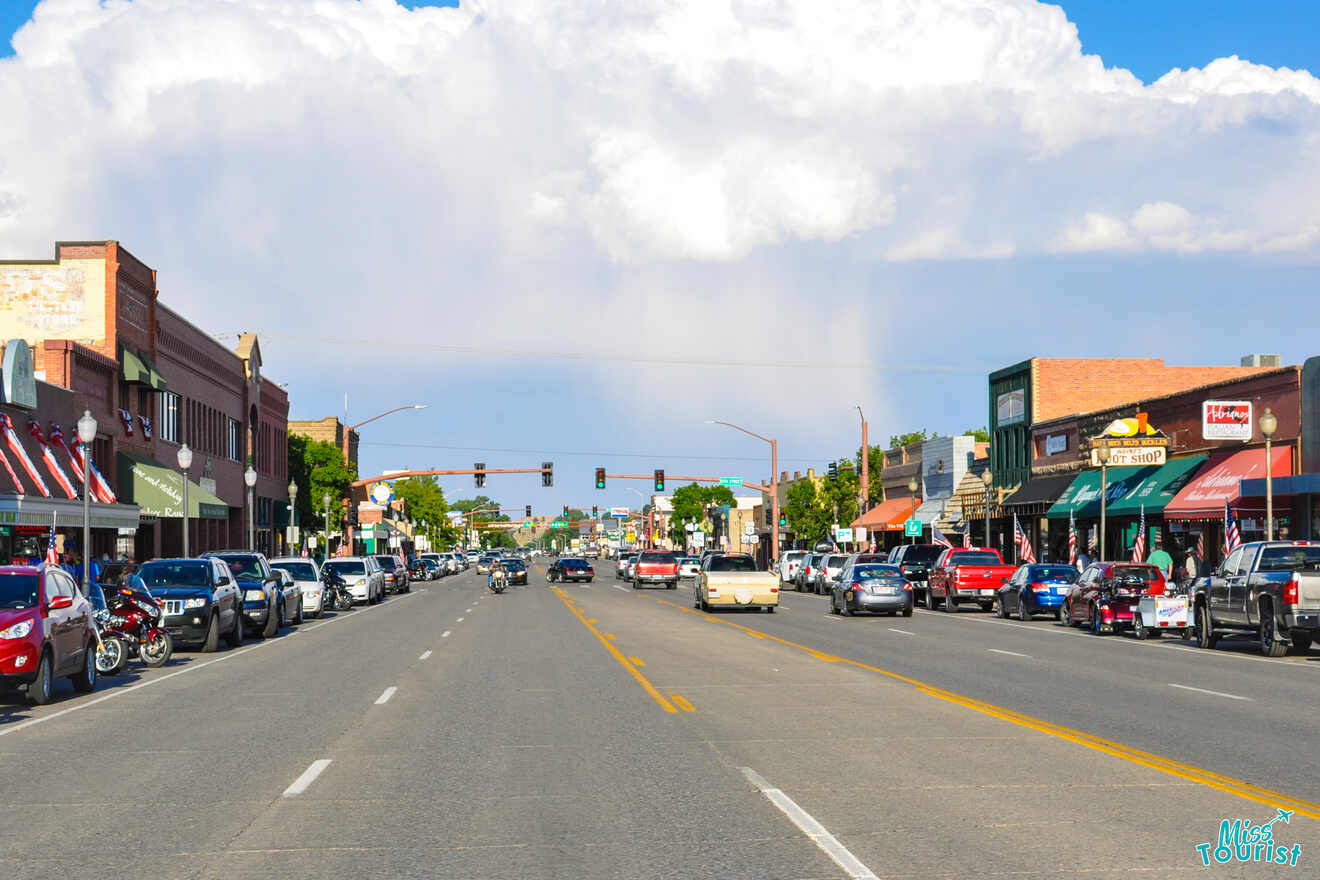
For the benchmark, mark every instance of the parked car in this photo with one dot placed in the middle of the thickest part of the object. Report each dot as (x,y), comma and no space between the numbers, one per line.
(967,574)
(656,567)
(396,576)
(872,587)
(789,563)
(688,567)
(570,569)
(1106,593)
(363,576)
(267,602)
(516,569)
(916,560)
(307,574)
(1036,588)
(806,574)
(831,566)
(733,580)
(621,566)
(201,601)
(46,631)
(1267,589)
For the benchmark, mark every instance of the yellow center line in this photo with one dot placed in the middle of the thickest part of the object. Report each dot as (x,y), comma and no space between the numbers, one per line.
(1190,772)
(682,702)
(623,661)
(636,661)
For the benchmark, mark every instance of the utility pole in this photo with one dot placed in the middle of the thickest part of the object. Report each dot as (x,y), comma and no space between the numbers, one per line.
(866,466)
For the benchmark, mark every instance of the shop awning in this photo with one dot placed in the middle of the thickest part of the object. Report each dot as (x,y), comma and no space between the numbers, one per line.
(1040,490)
(158,490)
(932,509)
(1218,483)
(1301,484)
(887,516)
(1082,498)
(28,510)
(137,369)
(1156,490)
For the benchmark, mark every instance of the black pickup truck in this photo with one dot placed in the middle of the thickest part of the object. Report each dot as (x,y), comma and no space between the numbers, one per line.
(1268,589)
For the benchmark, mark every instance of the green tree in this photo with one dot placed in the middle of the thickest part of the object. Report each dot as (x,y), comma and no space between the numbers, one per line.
(898,441)
(690,503)
(980,435)
(804,511)
(838,499)
(317,466)
(426,503)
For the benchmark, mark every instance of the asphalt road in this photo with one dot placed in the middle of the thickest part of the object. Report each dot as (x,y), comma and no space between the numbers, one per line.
(592,731)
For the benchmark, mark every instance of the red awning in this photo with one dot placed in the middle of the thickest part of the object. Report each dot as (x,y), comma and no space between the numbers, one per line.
(1219,480)
(887,516)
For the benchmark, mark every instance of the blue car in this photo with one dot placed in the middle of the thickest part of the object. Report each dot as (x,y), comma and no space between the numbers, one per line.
(1036,588)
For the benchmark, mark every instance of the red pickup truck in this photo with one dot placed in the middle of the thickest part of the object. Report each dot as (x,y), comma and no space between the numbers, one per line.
(656,567)
(964,574)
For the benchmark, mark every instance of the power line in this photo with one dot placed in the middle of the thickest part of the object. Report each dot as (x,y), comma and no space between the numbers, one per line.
(648,455)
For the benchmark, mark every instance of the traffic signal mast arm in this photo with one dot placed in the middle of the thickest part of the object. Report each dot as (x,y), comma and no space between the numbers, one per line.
(399,475)
(758,487)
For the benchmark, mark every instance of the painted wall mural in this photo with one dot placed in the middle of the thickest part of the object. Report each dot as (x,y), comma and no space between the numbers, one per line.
(61,301)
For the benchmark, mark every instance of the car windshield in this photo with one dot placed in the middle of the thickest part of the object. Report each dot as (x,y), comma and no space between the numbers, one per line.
(301,571)
(346,566)
(18,590)
(732,563)
(176,574)
(387,562)
(975,559)
(1290,559)
(874,572)
(923,553)
(1052,573)
(245,568)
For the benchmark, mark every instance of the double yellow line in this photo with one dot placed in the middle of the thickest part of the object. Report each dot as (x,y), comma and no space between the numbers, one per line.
(1149,760)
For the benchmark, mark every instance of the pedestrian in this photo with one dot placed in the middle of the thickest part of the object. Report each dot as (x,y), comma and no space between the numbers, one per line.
(1160,558)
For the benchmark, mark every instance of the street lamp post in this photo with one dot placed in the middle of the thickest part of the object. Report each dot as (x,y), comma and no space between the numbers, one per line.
(912,490)
(185,462)
(325,551)
(1269,423)
(86,434)
(1103,455)
(293,515)
(774,483)
(250,478)
(987,477)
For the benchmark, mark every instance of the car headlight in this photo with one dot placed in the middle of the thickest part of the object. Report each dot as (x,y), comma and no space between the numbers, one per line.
(254,595)
(17,631)
(360,582)
(199,602)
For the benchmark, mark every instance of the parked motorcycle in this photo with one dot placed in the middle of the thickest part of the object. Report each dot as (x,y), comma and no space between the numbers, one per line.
(111,655)
(132,627)
(337,595)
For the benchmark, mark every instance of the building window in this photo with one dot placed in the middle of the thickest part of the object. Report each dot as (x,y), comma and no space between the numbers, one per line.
(232,448)
(170,407)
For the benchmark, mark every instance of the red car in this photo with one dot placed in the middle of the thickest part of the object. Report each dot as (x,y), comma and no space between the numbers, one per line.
(46,631)
(1106,593)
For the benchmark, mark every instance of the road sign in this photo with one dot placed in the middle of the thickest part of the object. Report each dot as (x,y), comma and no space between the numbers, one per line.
(843,534)
(559,524)
(381,493)
(527,524)
(730,481)
(749,527)
(859,534)
(912,528)
(619,512)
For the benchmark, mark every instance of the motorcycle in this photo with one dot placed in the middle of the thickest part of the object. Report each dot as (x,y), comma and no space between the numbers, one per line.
(131,627)
(337,595)
(498,581)
(111,655)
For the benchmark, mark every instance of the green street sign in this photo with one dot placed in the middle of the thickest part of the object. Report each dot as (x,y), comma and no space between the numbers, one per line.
(730,481)
(912,528)
(527,524)
(559,524)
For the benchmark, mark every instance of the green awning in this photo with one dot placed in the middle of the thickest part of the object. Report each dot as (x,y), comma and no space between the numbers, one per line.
(1082,498)
(138,369)
(158,491)
(1158,488)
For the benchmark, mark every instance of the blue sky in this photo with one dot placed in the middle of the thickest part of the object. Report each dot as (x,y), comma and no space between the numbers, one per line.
(1149,37)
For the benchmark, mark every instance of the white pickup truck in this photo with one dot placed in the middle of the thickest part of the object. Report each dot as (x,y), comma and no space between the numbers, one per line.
(733,580)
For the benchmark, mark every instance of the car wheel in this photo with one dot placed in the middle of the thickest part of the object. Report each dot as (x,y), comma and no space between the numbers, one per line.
(1000,609)
(212,635)
(834,605)
(1023,614)
(84,682)
(299,618)
(769,609)
(272,623)
(1096,621)
(907,612)
(39,691)
(1058,614)
(636,585)
(672,585)
(589,580)
(930,599)
(235,637)
(950,605)
(1205,634)
(846,611)
(320,608)
(1270,643)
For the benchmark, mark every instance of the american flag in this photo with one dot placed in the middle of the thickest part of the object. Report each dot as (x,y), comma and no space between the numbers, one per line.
(1139,545)
(1200,546)
(1026,554)
(1232,538)
(52,558)
(1090,540)
(967,533)
(937,536)
(1072,539)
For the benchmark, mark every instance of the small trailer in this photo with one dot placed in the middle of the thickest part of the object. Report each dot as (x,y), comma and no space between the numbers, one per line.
(1155,615)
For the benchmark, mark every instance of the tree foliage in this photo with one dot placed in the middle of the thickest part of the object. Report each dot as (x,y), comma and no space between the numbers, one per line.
(690,503)
(426,503)
(898,441)
(317,466)
(980,435)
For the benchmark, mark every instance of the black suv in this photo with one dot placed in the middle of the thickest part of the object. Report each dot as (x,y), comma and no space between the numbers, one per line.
(267,602)
(916,561)
(202,603)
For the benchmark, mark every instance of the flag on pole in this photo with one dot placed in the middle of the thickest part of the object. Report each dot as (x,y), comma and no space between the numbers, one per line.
(1232,537)
(938,538)
(52,558)
(1090,540)
(1026,553)
(967,533)
(48,459)
(1139,545)
(1200,546)
(16,447)
(1072,539)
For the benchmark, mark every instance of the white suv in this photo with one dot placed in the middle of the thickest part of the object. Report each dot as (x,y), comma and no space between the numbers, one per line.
(789,564)
(365,579)
(307,575)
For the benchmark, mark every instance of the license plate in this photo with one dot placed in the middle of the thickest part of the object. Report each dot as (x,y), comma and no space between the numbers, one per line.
(884,591)
(1060,591)
(987,592)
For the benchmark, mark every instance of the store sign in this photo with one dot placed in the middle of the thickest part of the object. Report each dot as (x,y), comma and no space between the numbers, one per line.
(1127,456)
(18,384)
(1056,443)
(1011,407)
(1226,420)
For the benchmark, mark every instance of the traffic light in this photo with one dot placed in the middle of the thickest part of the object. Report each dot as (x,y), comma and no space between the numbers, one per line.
(834,472)
(565,511)
(595,511)
(783,520)
(547,473)
(659,479)
(480,476)
(527,514)
(600,478)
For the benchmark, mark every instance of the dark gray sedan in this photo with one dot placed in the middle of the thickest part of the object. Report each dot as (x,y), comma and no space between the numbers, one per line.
(874,587)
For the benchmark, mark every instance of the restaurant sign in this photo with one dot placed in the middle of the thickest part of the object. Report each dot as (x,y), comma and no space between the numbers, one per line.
(1226,420)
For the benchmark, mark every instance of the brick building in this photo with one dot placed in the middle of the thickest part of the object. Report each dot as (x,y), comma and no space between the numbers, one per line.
(154,381)
(330,430)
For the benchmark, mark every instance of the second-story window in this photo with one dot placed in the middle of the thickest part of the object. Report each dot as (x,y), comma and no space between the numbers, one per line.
(170,408)
(234,433)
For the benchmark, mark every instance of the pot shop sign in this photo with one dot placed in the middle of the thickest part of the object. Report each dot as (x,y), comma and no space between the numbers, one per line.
(1226,420)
